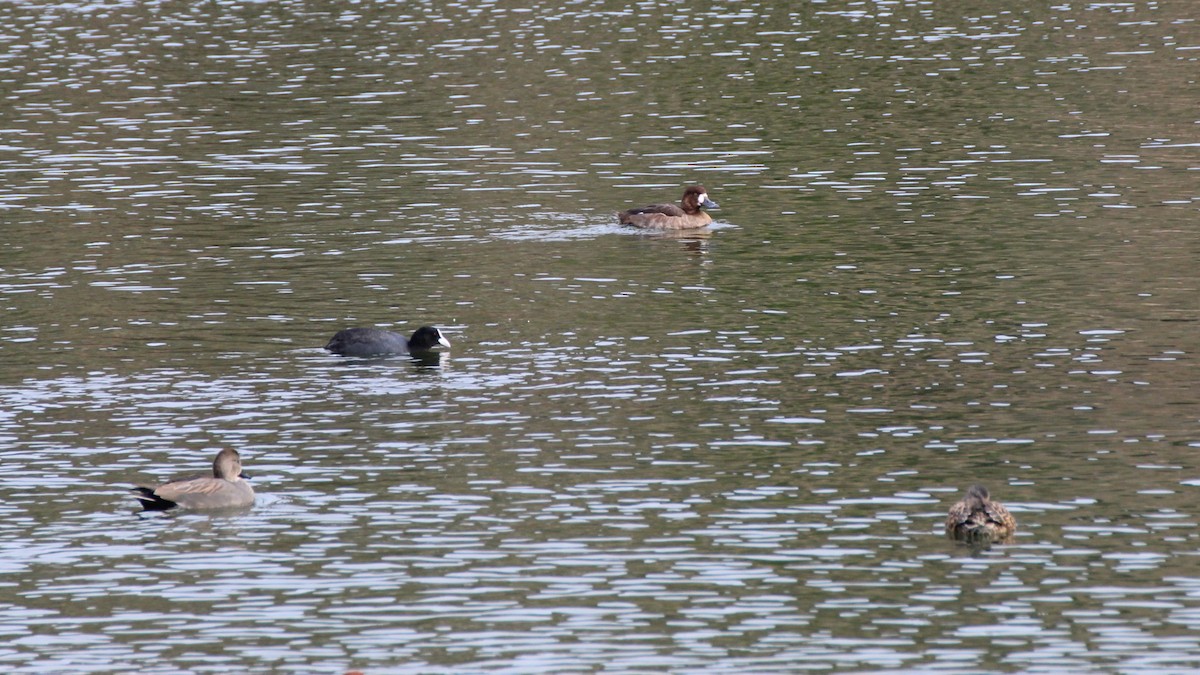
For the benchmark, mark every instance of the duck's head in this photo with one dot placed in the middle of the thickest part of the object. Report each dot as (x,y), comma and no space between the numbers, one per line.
(696,197)
(977,496)
(228,464)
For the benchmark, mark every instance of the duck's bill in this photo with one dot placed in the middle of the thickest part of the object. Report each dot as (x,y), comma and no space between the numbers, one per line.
(710,204)
(444,342)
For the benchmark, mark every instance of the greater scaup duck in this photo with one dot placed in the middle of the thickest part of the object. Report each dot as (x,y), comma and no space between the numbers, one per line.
(689,215)
(224,489)
(976,519)
(376,342)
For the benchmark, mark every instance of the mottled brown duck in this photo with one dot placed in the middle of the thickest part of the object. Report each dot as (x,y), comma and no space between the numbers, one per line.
(976,519)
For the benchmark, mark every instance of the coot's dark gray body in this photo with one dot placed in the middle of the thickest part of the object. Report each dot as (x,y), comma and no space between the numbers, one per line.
(377,342)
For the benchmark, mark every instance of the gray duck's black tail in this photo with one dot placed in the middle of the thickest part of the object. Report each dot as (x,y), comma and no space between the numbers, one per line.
(151,501)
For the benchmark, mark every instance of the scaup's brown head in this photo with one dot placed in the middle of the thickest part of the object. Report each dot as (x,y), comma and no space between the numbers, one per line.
(695,197)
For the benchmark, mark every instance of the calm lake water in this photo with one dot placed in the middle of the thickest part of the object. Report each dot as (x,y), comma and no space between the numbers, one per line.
(957,243)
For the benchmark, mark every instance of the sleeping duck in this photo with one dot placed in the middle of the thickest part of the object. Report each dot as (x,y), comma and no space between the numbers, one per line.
(976,519)
(689,215)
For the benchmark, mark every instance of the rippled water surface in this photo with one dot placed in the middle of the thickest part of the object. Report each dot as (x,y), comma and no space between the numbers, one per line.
(957,243)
